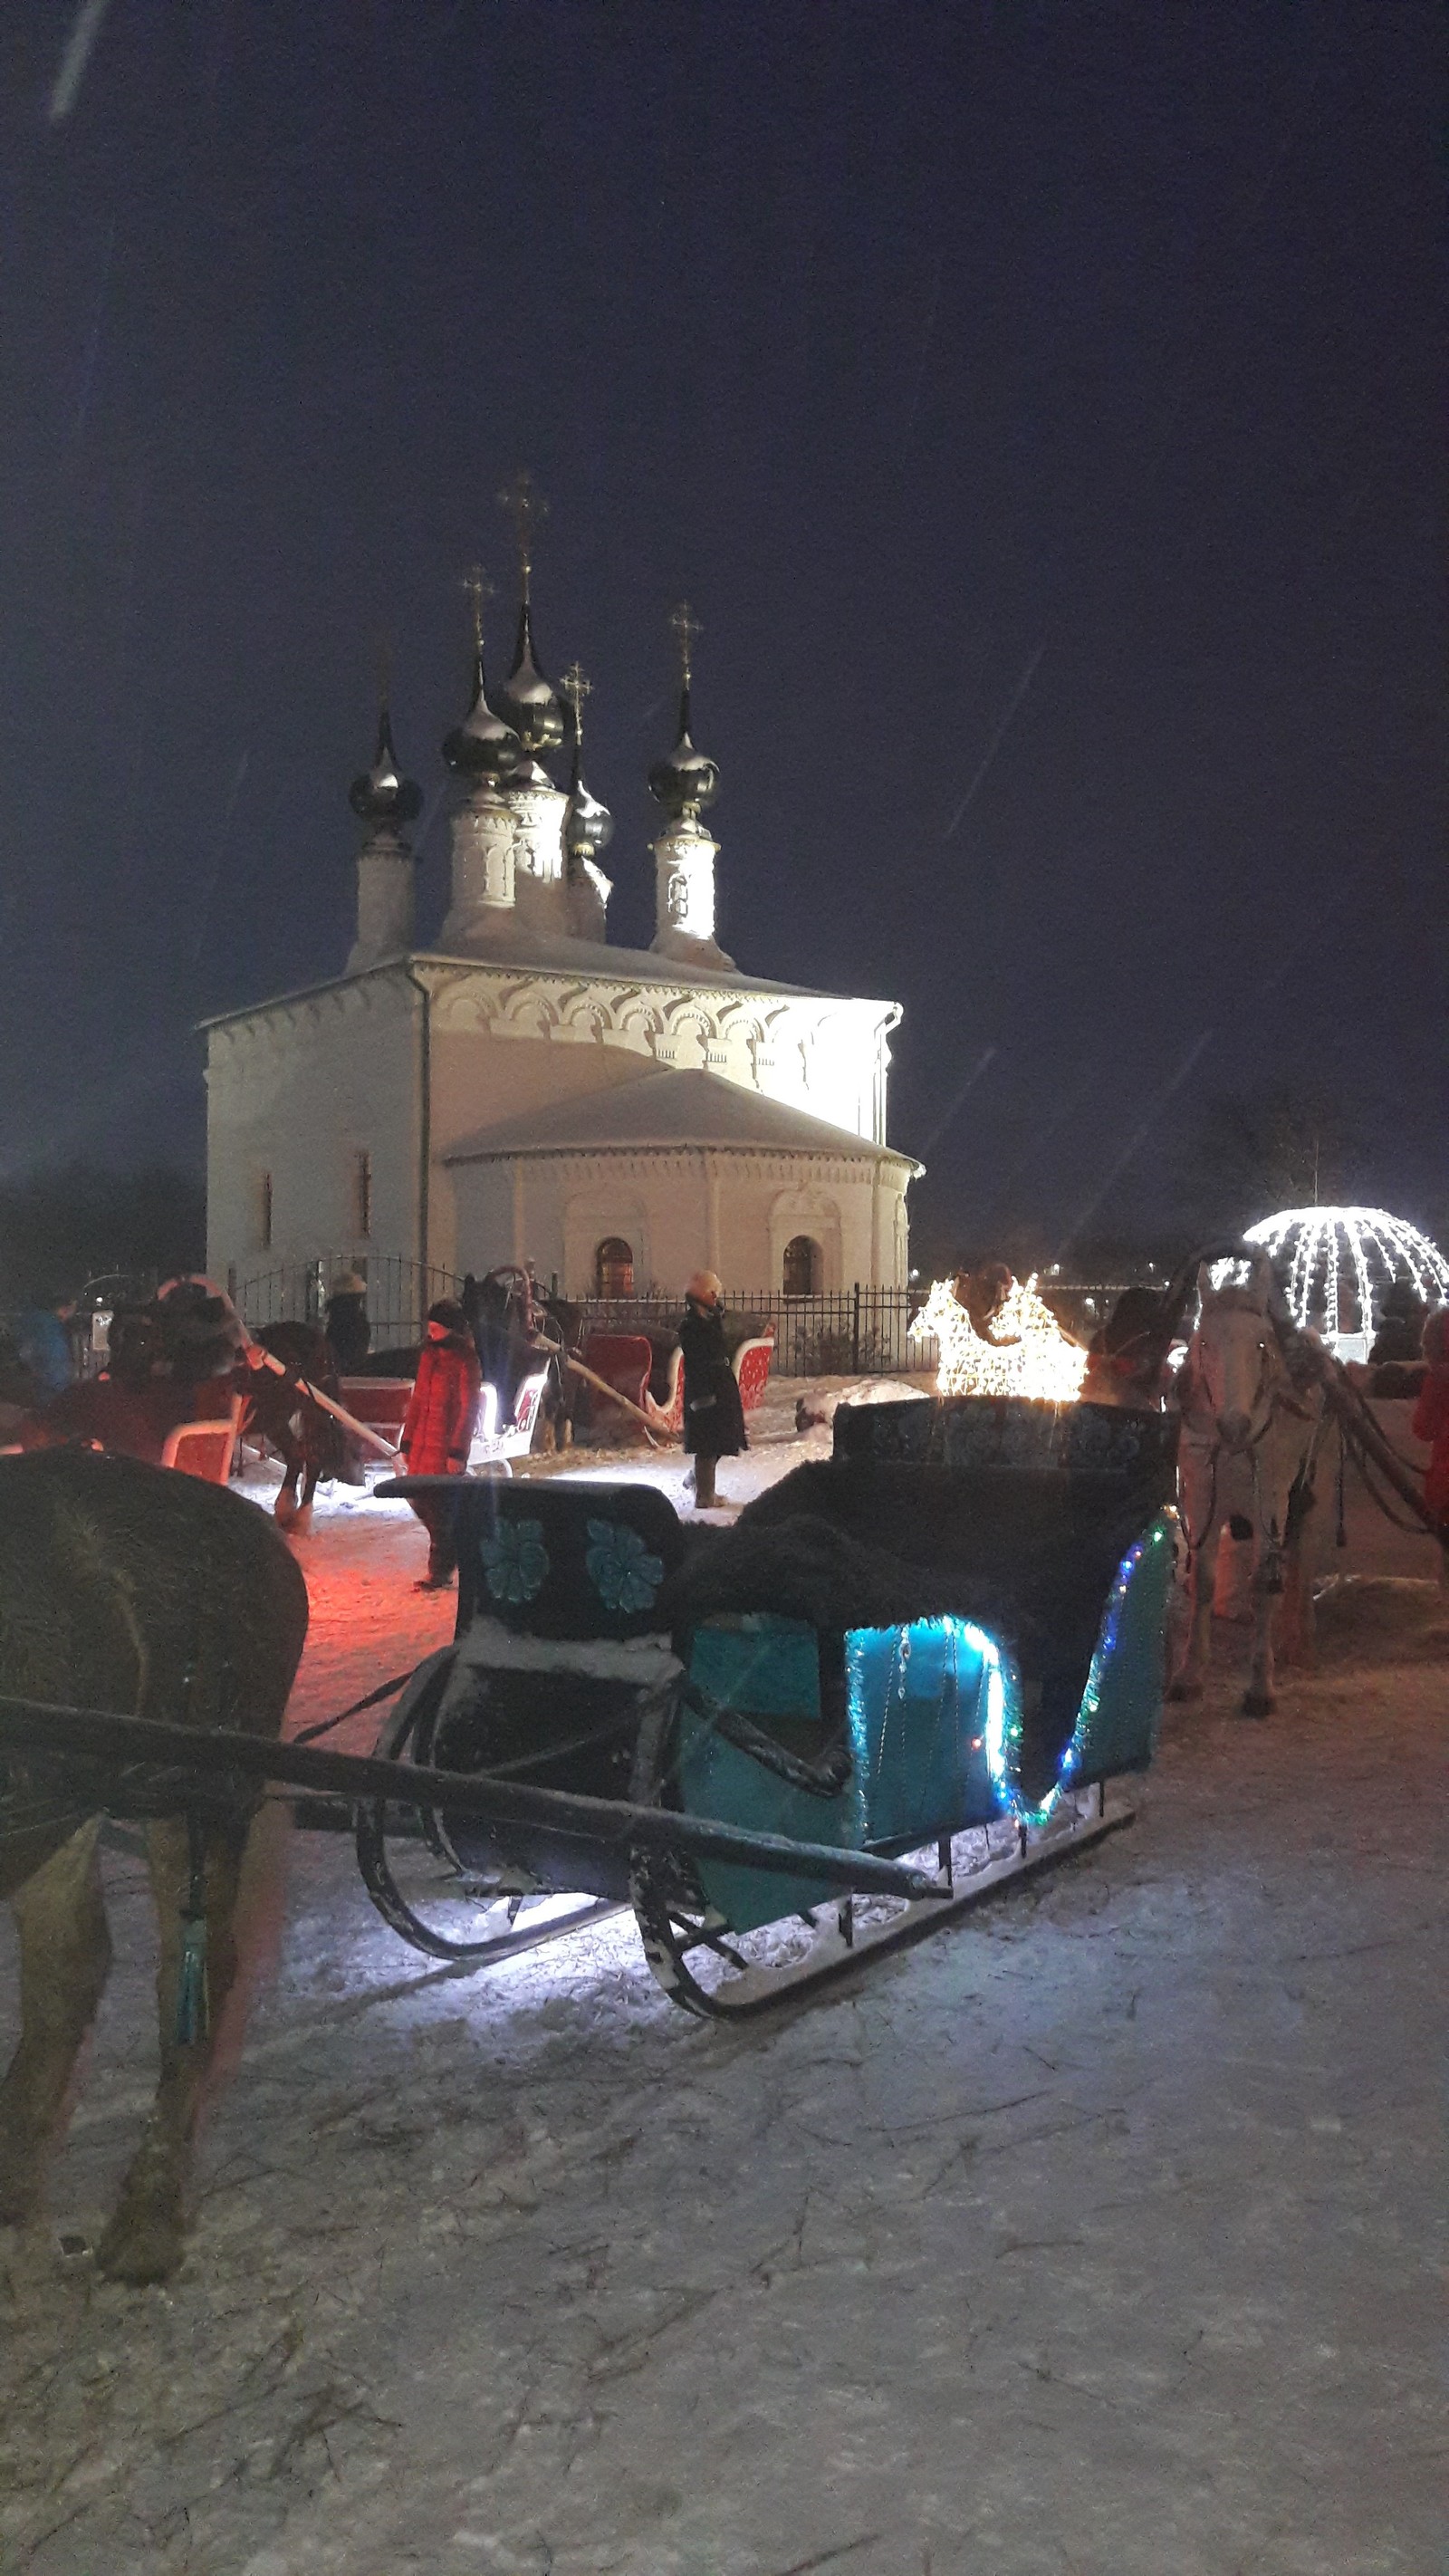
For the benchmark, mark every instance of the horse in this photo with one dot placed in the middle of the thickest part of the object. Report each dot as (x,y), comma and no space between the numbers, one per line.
(310,1442)
(1251,1430)
(130,1588)
(515,1333)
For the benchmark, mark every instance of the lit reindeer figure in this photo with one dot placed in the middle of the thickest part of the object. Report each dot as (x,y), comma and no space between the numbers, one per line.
(1250,1436)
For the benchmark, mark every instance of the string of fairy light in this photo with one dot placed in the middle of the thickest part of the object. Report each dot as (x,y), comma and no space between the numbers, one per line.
(1026,1355)
(1320,1243)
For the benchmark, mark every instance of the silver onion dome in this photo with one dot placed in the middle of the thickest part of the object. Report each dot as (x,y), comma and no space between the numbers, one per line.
(482,746)
(528,699)
(381,794)
(687,779)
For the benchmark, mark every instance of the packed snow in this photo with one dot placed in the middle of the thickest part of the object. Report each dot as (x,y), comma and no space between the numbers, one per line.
(1088,2238)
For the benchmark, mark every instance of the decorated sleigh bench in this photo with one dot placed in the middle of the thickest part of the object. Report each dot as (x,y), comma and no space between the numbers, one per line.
(953,1702)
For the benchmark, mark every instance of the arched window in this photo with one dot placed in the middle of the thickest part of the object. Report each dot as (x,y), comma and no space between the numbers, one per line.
(804,1266)
(614,1267)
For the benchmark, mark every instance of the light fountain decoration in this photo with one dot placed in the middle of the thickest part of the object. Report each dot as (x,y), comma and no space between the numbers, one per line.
(1319,1249)
(1024,1352)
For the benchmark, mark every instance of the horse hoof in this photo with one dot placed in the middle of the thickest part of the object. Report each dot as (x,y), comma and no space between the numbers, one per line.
(1184,1688)
(284,1508)
(141,2246)
(1259,1704)
(300,1523)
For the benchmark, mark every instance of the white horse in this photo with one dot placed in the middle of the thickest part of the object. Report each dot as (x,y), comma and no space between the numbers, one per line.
(1250,1436)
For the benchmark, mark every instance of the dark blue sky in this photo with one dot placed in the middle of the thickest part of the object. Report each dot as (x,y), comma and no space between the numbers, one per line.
(1036,403)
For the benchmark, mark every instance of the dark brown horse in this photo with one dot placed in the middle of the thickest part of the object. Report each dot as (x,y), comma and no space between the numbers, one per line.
(310,1443)
(127,1587)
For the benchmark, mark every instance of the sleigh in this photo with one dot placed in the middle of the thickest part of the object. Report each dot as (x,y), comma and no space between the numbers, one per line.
(877,1772)
(783,1747)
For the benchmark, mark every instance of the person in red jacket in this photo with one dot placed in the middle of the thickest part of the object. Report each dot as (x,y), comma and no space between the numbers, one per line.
(437,1431)
(1431,1413)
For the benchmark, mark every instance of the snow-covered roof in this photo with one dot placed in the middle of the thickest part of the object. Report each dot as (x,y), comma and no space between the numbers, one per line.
(581,958)
(669,1109)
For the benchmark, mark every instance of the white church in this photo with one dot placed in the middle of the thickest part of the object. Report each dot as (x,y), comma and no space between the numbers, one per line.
(521,1090)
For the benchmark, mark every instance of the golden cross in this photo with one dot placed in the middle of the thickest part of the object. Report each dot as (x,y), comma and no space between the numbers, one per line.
(478,588)
(686,626)
(526,505)
(576,687)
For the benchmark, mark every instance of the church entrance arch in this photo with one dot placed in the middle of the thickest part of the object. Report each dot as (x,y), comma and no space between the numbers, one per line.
(614,1267)
(804,1267)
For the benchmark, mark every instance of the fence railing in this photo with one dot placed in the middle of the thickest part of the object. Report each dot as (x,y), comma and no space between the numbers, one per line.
(839,1332)
(842,1332)
(399,1293)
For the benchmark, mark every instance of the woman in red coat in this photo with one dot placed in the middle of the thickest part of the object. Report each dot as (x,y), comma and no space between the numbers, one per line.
(1431,1413)
(437,1431)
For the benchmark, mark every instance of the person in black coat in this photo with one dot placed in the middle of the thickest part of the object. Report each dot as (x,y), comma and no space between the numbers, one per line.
(347,1328)
(714,1418)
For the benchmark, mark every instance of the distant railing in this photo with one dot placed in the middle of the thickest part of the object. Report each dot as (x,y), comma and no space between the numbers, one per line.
(838,1332)
(842,1332)
(399,1293)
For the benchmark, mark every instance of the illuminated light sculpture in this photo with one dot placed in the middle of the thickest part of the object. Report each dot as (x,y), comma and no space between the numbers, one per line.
(1320,1244)
(1027,1353)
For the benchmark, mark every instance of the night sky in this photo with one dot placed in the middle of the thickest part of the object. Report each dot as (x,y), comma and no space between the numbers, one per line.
(1036,404)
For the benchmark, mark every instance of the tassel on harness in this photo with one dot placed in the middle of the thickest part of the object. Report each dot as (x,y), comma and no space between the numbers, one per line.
(191,2003)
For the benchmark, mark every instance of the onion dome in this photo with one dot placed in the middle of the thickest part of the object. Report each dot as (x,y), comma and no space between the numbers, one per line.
(482,747)
(382,794)
(529,701)
(688,779)
(588,826)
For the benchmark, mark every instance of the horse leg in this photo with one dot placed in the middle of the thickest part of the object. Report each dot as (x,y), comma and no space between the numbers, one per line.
(302,1518)
(285,1507)
(145,2238)
(1258,1699)
(65,1952)
(1187,1681)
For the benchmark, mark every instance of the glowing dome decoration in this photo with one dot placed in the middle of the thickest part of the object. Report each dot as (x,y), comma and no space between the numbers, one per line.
(1328,1248)
(1028,1354)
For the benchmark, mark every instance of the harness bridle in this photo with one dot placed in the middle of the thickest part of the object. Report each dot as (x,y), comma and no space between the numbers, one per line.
(1276,1394)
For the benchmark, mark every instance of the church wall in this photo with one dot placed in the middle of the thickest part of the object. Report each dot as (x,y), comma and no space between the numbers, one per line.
(298,1090)
(295,1097)
(682,1211)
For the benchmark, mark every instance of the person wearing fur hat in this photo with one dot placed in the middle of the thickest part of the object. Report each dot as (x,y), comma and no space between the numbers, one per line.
(714,1418)
(437,1431)
(1431,1413)
(347,1328)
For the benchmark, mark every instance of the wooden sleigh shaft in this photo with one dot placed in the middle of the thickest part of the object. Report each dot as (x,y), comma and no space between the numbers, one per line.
(181,1753)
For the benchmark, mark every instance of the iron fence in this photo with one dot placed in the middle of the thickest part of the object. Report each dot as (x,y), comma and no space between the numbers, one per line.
(840,1332)
(399,1293)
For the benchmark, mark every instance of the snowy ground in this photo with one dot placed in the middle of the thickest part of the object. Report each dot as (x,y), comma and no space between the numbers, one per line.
(1088,2238)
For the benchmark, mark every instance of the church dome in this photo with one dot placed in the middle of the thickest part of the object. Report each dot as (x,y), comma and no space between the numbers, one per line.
(482,747)
(687,779)
(588,825)
(382,794)
(529,700)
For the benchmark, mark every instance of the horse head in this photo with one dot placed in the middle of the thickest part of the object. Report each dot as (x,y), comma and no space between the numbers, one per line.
(1233,1361)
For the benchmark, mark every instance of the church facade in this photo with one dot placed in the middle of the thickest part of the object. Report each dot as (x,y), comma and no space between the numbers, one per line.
(519,1089)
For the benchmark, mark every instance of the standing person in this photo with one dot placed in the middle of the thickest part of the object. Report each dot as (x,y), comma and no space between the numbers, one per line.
(437,1432)
(714,1418)
(1431,1413)
(44,1346)
(347,1328)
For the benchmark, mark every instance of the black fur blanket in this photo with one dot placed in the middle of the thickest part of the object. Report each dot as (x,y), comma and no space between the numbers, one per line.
(1028,1553)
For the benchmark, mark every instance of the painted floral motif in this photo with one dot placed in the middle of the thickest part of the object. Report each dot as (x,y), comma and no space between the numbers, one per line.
(515,1560)
(621,1569)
